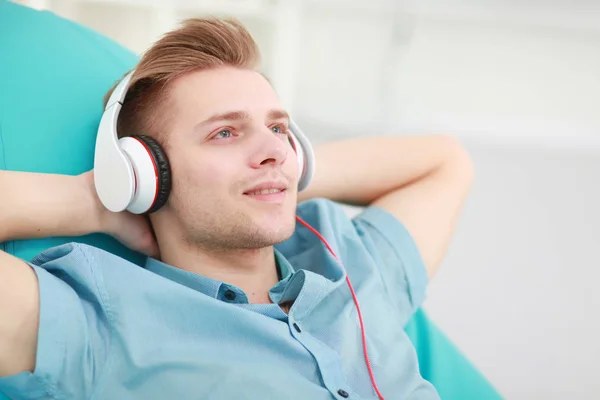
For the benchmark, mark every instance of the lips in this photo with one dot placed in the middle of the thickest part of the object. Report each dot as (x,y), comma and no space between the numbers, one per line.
(271,192)
(267,188)
(265,191)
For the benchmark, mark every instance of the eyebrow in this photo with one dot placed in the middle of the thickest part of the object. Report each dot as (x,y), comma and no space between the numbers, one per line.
(278,114)
(242,115)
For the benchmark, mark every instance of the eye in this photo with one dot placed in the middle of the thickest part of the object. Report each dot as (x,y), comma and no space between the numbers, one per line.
(279,129)
(223,134)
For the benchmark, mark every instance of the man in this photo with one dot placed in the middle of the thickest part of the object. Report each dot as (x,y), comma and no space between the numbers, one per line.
(237,301)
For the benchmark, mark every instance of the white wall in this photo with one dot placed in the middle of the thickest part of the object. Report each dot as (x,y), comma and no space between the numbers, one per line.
(519,83)
(512,82)
(519,288)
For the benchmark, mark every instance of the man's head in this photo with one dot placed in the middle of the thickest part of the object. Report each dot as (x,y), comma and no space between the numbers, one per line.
(198,93)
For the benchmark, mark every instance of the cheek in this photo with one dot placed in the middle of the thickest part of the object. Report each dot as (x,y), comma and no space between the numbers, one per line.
(214,174)
(291,164)
(204,174)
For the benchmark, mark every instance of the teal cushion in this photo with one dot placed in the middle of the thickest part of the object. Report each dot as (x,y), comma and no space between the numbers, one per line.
(442,363)
(53,76)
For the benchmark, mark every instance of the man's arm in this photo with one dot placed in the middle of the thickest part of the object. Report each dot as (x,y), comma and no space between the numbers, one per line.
(421,180)
(35,205)
(19,316)
(45,205)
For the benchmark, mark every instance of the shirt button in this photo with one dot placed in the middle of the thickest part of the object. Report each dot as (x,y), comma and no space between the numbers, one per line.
(297,327)
(230,295)
(343,393)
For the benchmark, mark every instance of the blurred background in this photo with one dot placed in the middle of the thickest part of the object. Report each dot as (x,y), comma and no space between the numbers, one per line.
(518,82)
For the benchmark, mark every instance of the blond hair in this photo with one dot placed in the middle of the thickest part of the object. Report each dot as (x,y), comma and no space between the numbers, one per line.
(200,43)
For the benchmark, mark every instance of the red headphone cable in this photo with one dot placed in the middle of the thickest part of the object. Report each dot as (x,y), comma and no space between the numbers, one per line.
(362,327)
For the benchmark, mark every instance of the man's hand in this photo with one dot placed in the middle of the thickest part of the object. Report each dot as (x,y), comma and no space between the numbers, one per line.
(134,231)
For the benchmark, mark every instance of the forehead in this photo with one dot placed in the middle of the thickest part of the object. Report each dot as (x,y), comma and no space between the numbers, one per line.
(202,93)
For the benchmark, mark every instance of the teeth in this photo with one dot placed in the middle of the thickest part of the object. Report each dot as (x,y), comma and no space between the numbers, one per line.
(266,191)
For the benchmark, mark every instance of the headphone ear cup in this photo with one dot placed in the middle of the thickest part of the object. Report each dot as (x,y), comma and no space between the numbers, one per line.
(163,168)
(299,154)
(306,156)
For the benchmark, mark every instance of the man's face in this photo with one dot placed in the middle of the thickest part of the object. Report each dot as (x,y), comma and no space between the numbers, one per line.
(235,174)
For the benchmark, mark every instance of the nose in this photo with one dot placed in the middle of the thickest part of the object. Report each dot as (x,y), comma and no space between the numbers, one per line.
(270,148)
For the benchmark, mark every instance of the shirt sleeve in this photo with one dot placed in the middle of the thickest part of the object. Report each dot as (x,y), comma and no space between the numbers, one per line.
(396,256)
(73,329)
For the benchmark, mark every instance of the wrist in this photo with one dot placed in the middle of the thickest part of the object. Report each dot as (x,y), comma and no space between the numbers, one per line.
(97,218)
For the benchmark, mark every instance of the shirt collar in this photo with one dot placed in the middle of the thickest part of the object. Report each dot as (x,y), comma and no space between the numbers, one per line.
(211,287)
(283,265)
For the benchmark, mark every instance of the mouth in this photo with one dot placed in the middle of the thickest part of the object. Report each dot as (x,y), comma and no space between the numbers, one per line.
(264,191)
(272,192)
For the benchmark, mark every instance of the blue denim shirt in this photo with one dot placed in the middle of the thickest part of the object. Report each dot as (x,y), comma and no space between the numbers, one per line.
(112,330)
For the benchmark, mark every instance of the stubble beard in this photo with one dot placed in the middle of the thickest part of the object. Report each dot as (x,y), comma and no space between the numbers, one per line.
(235,230)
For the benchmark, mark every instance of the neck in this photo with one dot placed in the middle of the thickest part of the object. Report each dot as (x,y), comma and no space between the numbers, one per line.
(252,270)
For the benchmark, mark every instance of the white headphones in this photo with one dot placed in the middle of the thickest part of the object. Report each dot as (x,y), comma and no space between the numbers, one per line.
(133,173)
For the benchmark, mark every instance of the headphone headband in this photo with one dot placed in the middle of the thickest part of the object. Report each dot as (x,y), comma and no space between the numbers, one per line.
(120,91)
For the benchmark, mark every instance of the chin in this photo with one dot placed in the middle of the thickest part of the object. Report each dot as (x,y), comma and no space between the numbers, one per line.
(274,225)
(280,232)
